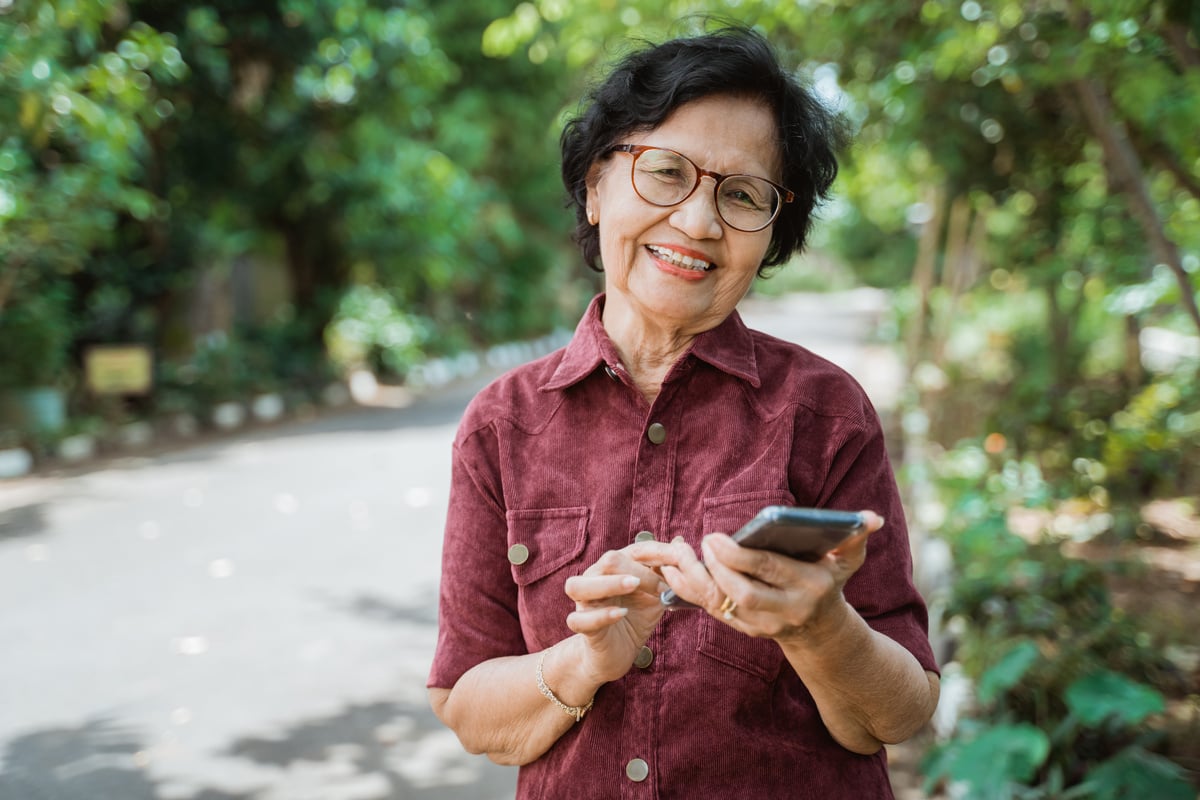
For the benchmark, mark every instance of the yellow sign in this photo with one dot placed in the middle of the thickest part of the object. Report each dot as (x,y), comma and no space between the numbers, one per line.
(119,369)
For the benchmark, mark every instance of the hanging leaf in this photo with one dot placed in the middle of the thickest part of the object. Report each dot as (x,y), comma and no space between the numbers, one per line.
(1100,695)
(1008,671)
(1136,773)
(991,762)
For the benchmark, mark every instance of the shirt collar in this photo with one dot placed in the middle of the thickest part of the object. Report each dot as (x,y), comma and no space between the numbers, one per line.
(729,347)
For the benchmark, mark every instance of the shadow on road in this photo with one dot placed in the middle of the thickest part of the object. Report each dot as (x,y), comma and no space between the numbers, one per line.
(375,608)
(99,759)
(22,521)
(378,751)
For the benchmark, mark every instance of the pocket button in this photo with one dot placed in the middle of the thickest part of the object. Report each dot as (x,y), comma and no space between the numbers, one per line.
(518,554)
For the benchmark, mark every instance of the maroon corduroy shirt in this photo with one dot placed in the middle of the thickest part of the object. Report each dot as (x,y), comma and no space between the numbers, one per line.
(557,456)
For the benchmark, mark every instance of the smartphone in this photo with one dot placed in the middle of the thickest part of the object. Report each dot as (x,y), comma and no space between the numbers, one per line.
(803,533)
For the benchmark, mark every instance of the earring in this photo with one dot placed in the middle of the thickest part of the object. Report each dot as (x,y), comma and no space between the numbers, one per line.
(591,216)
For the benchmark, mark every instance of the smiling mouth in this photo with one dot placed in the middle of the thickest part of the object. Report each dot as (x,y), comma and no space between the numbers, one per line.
(680,260)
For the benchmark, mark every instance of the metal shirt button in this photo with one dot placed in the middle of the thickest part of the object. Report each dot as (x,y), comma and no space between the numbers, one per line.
(657,433)
(610,372)
(644,536)
(637,770)
(644,657)
(518,554)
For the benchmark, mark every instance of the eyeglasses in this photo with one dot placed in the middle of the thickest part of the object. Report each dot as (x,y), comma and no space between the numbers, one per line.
(663,177)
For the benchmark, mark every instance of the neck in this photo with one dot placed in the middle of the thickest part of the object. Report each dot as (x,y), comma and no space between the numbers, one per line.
(647,348)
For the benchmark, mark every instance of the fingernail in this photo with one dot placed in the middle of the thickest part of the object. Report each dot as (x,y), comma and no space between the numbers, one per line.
(677,539)
(617,613)
(629,582)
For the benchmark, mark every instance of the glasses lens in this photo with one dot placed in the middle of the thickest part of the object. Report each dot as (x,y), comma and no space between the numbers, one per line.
(662,177)
(747,203)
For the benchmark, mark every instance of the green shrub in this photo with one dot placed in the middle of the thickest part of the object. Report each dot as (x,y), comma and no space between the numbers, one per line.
(369,331)
(1066,686)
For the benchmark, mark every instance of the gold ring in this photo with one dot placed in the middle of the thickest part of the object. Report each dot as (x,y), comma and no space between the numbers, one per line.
(728,607)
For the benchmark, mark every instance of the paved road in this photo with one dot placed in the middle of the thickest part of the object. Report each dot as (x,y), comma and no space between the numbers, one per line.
(252,618)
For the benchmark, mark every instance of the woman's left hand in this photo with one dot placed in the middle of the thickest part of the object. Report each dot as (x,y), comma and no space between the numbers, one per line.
(759,592)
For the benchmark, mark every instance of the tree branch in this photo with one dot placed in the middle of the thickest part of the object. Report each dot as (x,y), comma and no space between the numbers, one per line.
(1176,35)
(1125,173)
(1155,151)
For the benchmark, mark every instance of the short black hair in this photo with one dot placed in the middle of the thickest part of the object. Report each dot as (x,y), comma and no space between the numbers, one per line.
(647,85)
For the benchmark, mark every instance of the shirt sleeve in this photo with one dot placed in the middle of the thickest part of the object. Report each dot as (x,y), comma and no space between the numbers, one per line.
(860,477)
(477,606)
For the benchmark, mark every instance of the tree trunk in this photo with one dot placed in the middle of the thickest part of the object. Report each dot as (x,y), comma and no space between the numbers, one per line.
(923,274)
(1125,173)
(8,282)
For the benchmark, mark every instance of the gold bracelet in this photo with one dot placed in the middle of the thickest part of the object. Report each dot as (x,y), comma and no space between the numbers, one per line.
(575,711)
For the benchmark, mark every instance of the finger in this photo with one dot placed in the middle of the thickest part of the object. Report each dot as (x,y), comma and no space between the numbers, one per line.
(619,562)
(762,564)
(661,554)
(675,558)
(764,591)
(690,578)
(594,588)
(853,551)
(595,620)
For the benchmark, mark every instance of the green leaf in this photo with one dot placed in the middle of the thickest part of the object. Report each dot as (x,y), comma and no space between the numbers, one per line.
(999,756)
(1100,695)
(1008,671)
(1136,773)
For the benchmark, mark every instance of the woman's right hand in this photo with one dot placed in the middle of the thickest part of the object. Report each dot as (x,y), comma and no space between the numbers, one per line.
(617,606)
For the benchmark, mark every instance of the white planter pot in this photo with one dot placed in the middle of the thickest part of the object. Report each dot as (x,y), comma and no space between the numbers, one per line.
(227,416)
(135,435)
(79,447)
(267,407)
(15,462)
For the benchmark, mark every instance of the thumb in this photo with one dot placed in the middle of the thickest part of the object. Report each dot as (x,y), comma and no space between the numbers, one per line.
(855,547)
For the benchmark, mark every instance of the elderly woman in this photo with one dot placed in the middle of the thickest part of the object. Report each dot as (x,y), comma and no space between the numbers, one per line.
(589,481)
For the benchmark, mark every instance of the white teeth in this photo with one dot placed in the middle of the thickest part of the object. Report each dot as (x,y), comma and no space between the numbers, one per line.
(680,260)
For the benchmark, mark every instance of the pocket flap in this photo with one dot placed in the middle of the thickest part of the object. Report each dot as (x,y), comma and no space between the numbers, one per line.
(552,537)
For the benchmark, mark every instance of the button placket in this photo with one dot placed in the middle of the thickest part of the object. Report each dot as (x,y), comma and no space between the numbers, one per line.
(650,510)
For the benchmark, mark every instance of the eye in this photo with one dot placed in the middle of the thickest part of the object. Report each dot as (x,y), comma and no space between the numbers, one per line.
(664,166)
(747,193)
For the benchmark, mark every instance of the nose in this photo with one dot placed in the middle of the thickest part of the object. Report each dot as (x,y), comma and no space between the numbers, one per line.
(697,216)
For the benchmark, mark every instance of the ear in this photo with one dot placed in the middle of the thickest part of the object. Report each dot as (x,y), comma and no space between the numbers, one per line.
(592,181)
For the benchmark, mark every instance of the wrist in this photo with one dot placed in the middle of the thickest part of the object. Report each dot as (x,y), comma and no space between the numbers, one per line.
(564,671)
(835,620)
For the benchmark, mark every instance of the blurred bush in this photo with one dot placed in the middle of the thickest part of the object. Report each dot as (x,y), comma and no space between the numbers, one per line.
(1069,691)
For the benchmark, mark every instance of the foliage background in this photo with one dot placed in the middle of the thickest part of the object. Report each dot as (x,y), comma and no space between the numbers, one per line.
(275,192)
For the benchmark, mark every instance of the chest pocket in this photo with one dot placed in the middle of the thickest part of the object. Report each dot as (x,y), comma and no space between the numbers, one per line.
(544,547)
(718,641)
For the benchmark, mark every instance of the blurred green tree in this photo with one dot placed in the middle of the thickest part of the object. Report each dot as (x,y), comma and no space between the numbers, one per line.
(355,142)
(79,100)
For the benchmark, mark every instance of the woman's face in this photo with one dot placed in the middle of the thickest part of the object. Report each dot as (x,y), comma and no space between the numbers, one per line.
(650,253)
